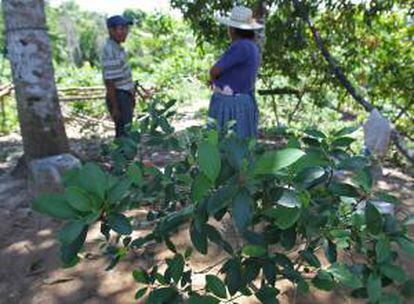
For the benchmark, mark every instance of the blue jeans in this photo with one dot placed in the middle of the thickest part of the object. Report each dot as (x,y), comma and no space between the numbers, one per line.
(125,103)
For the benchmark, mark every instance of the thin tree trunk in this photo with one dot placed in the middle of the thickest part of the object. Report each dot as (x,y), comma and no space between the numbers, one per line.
(29,52)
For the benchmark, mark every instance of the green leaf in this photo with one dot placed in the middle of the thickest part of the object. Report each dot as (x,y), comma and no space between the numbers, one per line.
(91,218)
(394,273)
(54,205)
(343,142)
(134,172)
(93,179)
(69,252)
(214,236)
(310,177)
(234,278)
(212,137)
(408,289)
(70,232)
(251,270)
(175,268)
(310,258)
(118,192)
(119,223)
(165,125)
(162,296)
(363,179)
(324,281)
(343,275)
(374,287)
(391,298)
(160,279)
(140,276)
(315,133)
(331,251)
(383,249)
(267,295)
(388,198)
(197,299)
(289,199)
(209,160)
(216,286)
(345,131)
(269,271)
(353,163)
(242,210)
(373,218)
(221,199)
(409,220)
(406,245)
(200,187)
(284,217)
(273,161)
(293,143)
(198,238)
(346,190)
(78,199)
(313,158)
(140,293)
(170,245)
(254,251)
(139,242)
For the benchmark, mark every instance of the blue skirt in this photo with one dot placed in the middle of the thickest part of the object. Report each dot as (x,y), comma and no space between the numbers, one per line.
(240,108)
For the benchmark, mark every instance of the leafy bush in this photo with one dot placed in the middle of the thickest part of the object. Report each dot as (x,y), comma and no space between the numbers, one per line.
(288,205)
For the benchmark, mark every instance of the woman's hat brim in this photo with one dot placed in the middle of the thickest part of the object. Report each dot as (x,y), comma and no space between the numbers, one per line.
(240,25)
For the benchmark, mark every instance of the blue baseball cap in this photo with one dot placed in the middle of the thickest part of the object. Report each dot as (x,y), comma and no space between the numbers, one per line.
(117,21)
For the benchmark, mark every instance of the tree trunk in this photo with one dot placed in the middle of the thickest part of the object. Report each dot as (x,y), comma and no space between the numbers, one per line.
(29,52)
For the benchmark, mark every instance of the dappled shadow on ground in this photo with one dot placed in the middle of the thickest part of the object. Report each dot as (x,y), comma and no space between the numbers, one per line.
(31,272)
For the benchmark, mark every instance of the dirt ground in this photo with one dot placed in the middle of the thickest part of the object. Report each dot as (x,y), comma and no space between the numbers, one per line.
(30,270)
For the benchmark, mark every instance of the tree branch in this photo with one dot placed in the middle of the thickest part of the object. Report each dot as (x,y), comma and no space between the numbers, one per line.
(337,71)
(403,111)
(282,91)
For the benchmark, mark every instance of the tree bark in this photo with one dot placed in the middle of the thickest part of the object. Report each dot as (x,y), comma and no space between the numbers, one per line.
(29,52)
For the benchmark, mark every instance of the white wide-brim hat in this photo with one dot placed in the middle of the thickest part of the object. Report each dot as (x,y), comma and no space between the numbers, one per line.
(242,18)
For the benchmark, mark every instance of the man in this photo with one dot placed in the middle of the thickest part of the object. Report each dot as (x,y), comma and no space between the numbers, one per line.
(117,75)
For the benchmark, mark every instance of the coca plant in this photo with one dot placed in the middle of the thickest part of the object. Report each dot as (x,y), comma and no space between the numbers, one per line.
(291,206)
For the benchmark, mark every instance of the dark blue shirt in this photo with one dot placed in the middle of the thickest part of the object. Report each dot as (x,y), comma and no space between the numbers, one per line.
(239,66)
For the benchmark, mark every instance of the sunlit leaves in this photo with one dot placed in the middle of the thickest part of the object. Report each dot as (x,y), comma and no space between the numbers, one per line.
(272,162)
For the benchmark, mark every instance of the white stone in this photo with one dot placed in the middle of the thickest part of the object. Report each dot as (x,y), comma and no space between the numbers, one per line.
(45,175)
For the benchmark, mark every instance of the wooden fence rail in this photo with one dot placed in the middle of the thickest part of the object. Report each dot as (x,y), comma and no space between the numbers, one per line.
(66,94)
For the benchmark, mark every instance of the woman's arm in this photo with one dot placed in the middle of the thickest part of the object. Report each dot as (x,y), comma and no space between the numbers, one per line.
(215,72)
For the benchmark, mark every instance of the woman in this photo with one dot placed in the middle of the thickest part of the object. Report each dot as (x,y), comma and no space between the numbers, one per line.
(233,77)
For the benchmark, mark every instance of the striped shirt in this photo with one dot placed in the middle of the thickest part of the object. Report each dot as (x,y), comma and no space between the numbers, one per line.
(115,65)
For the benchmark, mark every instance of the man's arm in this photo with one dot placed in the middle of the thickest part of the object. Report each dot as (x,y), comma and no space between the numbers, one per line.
(111,95)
